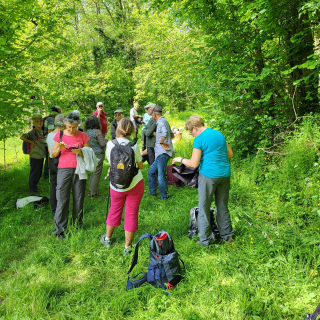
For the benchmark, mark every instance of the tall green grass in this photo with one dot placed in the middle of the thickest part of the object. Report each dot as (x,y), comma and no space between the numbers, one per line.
(267,273)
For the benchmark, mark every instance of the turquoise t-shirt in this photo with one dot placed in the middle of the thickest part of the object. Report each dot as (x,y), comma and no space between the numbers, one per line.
(214,162)
(146,119)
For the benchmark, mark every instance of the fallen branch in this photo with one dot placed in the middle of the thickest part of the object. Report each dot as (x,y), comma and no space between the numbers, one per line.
(274,152)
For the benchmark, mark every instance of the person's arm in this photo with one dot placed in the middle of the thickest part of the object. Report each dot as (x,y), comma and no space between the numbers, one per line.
(229,152)
(140,165)
(101,140)
(193,162)
(32,144)
(57,147)
(150,128)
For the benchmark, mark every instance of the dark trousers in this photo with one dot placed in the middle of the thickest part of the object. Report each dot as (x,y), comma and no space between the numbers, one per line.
(35,173)
(53,180)
(46,165)
(143,141)
(67,179)
(151,155)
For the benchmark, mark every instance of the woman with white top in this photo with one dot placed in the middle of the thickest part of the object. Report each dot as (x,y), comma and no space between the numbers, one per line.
(131,196)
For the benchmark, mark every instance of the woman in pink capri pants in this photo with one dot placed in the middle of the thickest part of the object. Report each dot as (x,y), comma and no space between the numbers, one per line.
(131,196)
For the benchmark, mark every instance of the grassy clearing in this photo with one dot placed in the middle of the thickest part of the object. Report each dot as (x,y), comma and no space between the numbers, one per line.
(257,277)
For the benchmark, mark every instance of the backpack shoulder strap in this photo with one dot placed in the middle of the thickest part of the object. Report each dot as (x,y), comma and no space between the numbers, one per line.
(135,255)
(115,142)
(134,142)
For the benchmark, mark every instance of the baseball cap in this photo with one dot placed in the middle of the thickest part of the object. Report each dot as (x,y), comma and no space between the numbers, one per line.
(118,111)
(99,103)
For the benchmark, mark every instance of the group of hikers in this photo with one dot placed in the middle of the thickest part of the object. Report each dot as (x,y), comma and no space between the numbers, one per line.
(73,152)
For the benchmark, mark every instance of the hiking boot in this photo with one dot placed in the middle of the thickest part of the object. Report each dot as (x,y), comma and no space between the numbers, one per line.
(126,251)
(229,240)
(61,236)
(106,243)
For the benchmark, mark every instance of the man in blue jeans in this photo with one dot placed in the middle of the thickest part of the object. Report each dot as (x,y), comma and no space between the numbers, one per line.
(163,152)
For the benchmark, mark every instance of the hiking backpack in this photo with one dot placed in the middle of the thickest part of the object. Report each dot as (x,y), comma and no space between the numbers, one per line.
(314,315)
(122,164)
(171,179)
(164,266)
(193,225)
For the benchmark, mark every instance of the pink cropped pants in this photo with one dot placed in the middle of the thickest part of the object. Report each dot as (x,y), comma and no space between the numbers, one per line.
(132,198)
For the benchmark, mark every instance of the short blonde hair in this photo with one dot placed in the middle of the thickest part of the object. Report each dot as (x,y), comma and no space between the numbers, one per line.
(194,121)
(136,104)
(37,118)
(125,127)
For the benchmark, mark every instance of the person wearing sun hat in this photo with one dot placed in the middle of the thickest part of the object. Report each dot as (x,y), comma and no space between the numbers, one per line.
(118,114)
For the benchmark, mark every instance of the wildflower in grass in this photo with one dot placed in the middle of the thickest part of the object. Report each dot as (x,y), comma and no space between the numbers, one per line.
(309,184)
(295,166)
(315,164)
(271,242)
(307,179)
(276,233)
(262,289)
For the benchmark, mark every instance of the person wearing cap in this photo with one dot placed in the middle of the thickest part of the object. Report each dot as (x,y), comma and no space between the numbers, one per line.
(47,127)
(163,152)
(134,117)
(102,116)
(148,137)
(118,114)
(146,118)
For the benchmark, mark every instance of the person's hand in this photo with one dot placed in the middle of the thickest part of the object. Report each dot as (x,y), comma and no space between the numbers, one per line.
(77,151)
(178,159)
(62,145)
(165,146)
(108,124)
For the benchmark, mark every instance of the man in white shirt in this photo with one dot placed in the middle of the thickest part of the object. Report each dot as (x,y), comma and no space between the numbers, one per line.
(134,117)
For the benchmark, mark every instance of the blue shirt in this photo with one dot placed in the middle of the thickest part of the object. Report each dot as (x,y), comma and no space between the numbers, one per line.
(163,130)
(214,162)
(146,118)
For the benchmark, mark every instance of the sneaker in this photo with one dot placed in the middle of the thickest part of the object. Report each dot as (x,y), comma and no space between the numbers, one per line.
(106,243)
(126,251)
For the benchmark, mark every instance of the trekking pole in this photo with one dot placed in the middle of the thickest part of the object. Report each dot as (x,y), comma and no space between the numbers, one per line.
(106,178)
(245,219)
(253,219)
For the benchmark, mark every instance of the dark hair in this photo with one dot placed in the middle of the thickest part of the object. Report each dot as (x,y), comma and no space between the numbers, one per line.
(92,122)
(56,109)
(72,118)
